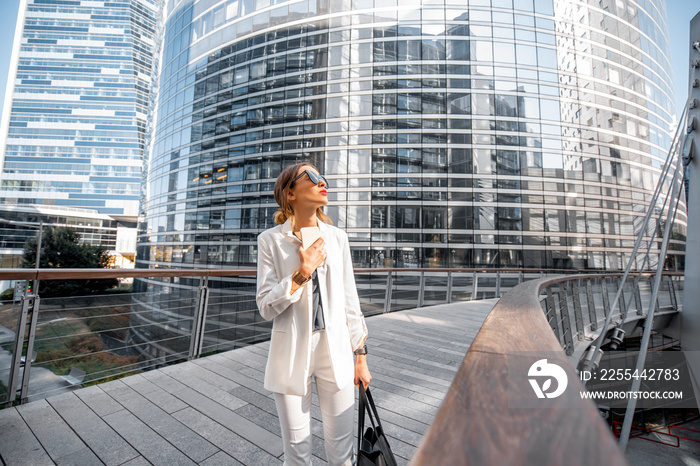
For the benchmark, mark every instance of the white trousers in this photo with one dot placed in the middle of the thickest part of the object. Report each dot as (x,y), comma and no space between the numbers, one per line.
(337,412)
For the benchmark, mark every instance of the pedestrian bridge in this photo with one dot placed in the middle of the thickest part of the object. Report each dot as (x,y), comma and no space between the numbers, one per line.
(214,410)
(434,401)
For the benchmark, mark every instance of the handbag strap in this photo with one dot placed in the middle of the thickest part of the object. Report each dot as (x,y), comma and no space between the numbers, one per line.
(360,421)
(373,408)
(365,400)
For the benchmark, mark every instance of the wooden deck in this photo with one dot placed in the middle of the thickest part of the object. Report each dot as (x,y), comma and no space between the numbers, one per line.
(215,411)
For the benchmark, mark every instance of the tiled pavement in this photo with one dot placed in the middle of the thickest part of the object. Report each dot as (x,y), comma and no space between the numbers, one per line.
(215,411)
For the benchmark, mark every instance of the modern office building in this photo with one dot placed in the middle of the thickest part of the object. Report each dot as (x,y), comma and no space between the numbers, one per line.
(511,133)
(454,133)
(73,129)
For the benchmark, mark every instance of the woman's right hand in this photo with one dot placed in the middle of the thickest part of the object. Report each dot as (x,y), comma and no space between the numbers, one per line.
(312,257)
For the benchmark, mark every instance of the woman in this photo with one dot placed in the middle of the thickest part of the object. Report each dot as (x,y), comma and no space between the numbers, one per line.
(311,297)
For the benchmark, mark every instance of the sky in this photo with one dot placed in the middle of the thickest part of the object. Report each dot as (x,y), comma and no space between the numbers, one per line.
(680,12)
(8,20)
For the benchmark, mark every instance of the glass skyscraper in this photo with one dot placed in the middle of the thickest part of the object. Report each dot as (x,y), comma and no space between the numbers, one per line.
(454,133)
(74,125)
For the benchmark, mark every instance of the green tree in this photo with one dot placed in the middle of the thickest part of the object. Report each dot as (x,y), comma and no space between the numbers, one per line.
(61,248)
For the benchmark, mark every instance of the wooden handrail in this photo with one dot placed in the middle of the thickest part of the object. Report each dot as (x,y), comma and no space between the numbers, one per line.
(475,424)
(77,274)
(84,274)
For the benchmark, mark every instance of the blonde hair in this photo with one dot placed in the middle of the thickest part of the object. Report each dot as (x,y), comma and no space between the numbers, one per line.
(283,184)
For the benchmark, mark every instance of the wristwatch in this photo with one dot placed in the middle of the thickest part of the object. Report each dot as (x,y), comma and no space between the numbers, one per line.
(299,279)
(362,350)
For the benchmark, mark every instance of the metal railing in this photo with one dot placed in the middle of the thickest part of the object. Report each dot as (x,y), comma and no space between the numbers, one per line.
(659,434)
(576,309)
(174,315)
(388,290)
(480,423)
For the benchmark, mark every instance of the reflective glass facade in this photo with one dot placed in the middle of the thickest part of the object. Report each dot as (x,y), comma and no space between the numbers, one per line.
(454,133)
(74,130)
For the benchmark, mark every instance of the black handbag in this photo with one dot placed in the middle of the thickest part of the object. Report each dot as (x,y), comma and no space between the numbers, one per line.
(372,446)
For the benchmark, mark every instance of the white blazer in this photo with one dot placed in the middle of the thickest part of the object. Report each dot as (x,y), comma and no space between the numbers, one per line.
(290,344)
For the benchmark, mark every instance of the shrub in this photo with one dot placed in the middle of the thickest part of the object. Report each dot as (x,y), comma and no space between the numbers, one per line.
(7,295)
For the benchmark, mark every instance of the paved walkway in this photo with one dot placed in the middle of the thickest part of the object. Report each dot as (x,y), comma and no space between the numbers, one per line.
(654,449)
(215,411)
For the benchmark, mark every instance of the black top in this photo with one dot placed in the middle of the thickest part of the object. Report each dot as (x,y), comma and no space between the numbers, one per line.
(317,317)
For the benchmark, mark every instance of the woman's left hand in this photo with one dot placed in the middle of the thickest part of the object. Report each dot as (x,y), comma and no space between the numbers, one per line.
(362,371)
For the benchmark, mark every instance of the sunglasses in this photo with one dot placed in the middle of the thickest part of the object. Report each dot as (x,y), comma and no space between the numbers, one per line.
(315,179)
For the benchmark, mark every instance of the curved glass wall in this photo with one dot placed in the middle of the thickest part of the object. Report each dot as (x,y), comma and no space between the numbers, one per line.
(519,134)
(454,133)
